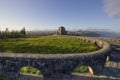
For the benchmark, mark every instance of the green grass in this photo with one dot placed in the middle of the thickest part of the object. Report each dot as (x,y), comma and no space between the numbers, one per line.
(2,77)
(30,70)
(81,69)
(47,45)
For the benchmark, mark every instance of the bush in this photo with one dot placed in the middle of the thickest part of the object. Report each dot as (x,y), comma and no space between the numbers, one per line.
(81,69)
(30,70)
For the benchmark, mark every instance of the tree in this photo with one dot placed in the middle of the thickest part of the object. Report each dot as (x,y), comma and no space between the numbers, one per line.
(23,31)
(0,34)
(6,31)
(6,34)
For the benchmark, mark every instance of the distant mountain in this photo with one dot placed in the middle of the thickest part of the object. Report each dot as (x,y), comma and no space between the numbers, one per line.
(88,33)
(91,33)
(104,33)
(108,34)
(40,33)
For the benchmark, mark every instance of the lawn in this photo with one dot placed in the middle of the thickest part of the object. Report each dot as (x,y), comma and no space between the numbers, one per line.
(47,45)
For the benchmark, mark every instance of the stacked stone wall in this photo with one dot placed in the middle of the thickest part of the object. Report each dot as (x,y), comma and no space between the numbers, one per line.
(57,65)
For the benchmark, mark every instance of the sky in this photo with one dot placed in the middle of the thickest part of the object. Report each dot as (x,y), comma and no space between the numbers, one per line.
(51,14)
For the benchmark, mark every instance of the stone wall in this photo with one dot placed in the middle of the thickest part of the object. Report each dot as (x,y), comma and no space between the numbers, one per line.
(57,65)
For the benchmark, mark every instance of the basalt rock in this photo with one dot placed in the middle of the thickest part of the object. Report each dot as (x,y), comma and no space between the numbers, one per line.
(57,65)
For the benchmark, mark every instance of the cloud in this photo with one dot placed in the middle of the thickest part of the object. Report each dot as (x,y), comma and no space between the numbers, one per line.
(112,8)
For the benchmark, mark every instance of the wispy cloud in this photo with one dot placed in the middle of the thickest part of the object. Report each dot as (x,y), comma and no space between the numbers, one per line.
(112,8)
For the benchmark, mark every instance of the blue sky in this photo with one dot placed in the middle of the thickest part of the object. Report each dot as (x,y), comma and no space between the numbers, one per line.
(50,14)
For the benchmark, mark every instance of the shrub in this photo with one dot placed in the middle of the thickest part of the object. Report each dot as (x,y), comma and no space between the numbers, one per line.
(81,69)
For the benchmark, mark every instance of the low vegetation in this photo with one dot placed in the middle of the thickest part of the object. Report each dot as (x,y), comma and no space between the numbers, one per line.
(30,70)
(46,45)
(35,71)
(6,34)
(2,77)
(81,69)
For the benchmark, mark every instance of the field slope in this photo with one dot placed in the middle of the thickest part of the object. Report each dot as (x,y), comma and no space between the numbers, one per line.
(46,45)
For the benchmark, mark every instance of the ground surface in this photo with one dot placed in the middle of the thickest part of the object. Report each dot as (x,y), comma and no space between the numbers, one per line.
(111,71)
(47,45)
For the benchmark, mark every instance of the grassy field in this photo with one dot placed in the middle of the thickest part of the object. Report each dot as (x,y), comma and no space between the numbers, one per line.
(46,45)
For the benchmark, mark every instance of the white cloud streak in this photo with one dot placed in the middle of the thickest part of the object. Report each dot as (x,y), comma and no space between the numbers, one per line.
(112,8)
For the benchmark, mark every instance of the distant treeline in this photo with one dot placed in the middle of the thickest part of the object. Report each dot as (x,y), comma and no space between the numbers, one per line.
(70,33)
(12,34)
